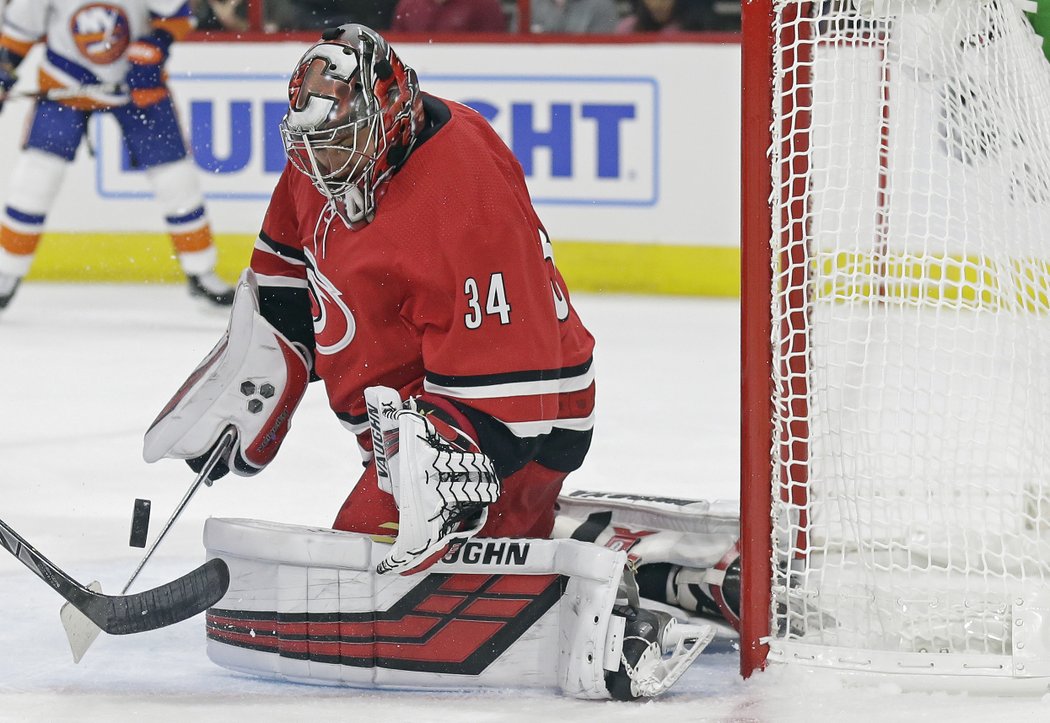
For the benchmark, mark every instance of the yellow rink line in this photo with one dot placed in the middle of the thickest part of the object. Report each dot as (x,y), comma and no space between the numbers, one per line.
(586,266)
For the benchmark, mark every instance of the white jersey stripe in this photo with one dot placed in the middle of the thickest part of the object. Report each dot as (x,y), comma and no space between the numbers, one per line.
(514,389)
(286,282)
(534,429)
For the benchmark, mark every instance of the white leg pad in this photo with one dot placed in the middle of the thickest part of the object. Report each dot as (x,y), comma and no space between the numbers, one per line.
(691,533)
(305,604)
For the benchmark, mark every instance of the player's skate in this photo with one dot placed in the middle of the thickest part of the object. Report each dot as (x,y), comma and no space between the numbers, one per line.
(8,286)
(209,287)
(648,636)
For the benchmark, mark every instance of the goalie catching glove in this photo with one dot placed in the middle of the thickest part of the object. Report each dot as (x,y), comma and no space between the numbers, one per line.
(441,484)
(252,380)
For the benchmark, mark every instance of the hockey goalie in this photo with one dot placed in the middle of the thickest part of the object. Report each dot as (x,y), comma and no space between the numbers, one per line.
(402,265)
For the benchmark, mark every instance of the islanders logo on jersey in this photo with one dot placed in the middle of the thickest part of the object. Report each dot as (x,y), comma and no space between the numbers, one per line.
(101,31)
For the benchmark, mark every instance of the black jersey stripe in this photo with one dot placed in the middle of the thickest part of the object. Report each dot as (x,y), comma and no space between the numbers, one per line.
(283,249)
(485,380)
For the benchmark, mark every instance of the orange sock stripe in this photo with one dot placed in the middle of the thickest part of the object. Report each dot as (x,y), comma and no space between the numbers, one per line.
(20,244)
(192,240)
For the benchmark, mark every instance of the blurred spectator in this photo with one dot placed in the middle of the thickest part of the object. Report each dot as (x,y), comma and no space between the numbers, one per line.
(413,16)
(671,16)
(574,16)
(320,14)
(220,14)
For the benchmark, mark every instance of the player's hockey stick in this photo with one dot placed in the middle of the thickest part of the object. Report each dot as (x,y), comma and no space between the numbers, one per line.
(222,448)
(93,89)
(167,604)
(81,630)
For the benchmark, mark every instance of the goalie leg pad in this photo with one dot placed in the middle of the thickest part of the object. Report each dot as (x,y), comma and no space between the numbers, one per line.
(685,550)
(253,379)
(305,604)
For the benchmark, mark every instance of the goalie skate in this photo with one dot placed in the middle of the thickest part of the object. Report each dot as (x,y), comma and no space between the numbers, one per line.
(649,635)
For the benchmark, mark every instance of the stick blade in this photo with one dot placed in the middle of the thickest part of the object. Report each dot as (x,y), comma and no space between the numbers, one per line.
(173,602)
(80,631)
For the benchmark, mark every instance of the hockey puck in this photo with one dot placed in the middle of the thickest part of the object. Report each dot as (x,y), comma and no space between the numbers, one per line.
(140,523)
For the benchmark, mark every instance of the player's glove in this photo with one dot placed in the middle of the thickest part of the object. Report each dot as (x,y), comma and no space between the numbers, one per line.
(253,380)
(9,61)
(441,482)
(145,78)
(442,497)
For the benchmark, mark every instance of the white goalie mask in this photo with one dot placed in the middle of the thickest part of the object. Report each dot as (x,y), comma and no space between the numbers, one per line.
(354,111)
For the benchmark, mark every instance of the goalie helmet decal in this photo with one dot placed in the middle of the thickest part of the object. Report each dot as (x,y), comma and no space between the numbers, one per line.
(354,112)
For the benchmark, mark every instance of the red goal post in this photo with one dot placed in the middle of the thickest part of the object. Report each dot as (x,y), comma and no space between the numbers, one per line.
(895,456)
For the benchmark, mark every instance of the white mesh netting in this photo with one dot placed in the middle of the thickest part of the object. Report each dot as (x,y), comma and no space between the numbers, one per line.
(911,323)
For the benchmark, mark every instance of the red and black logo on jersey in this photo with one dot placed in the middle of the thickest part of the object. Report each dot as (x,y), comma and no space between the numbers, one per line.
(447,624)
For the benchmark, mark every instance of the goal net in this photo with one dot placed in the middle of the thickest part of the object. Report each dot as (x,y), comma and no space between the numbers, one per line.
(905,241)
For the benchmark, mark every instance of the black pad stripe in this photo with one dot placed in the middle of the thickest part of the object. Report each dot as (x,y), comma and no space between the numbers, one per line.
(592,526)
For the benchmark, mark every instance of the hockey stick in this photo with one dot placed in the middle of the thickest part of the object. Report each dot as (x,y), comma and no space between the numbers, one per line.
(90,90)
(81,630)
(167,604)
(221,449)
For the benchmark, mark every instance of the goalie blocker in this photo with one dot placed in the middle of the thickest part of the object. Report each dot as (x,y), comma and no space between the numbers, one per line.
(252,380)
(307,605)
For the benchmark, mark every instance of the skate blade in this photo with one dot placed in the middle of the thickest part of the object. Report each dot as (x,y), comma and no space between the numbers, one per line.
(657,678)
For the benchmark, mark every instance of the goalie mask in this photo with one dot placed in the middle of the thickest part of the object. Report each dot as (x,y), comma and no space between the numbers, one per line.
(354,111)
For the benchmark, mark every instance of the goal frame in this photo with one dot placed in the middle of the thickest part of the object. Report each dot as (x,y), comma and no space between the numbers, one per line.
(756,406)
(776,351)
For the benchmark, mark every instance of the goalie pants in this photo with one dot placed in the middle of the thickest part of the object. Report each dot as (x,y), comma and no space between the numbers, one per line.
(525,509)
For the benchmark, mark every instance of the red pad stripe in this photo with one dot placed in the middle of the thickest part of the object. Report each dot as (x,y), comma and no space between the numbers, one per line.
(261,627)
(465,583)
(442,604)
(456,642)
(411,626)
(522,584)
(252,641)
(493,608)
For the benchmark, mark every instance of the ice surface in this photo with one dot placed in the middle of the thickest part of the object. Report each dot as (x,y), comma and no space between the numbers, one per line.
(84,370)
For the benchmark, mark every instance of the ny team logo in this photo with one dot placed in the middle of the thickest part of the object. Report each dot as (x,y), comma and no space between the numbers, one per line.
(101,31)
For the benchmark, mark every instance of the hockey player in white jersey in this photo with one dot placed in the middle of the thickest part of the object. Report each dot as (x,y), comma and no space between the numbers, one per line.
(102,57)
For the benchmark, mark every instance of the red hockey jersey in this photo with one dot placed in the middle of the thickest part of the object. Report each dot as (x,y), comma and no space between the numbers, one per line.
(451,290)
